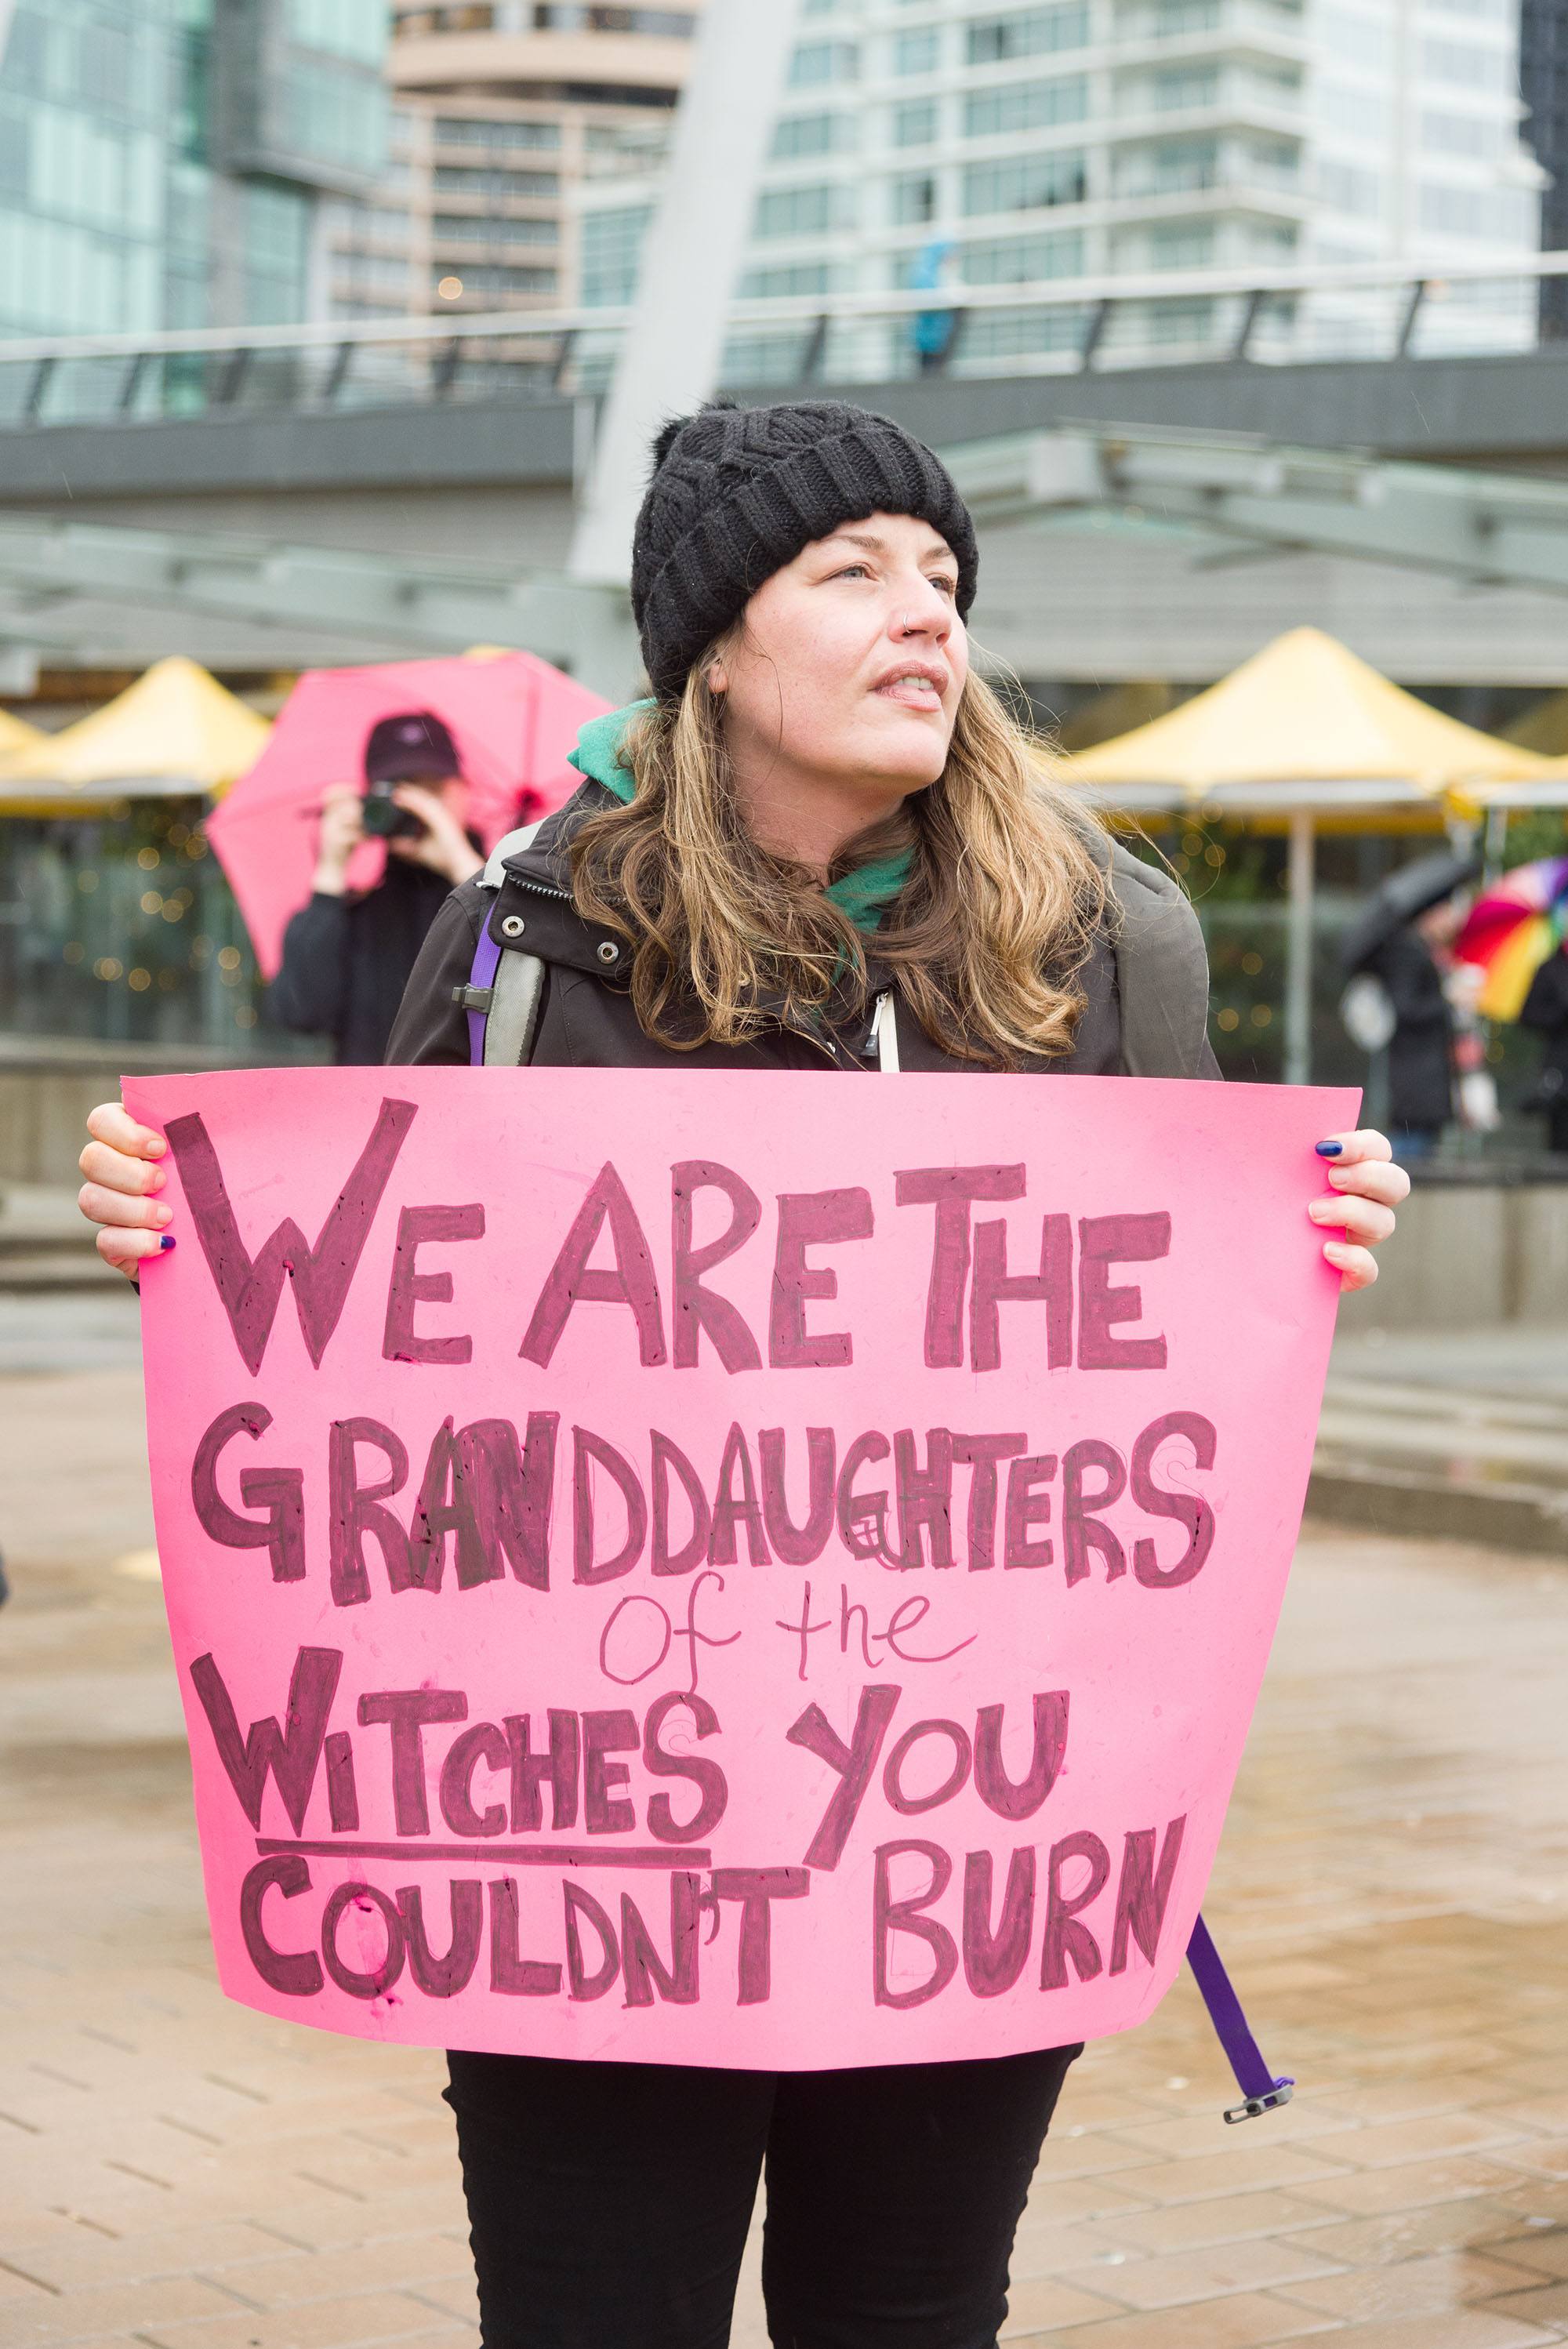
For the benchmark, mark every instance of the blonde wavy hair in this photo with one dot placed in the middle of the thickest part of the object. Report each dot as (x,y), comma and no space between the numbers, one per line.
(987,938)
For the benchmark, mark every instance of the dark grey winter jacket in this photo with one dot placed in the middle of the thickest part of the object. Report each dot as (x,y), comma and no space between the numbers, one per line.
(1146,981)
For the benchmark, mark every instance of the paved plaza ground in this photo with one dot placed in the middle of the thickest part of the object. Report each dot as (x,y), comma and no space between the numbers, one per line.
(1392,1891)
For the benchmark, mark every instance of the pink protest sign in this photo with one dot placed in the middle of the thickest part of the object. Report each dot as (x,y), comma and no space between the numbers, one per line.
(724,1570)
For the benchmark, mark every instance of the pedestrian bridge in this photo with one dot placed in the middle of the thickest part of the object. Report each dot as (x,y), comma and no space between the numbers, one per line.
(347,492)
(1363,314)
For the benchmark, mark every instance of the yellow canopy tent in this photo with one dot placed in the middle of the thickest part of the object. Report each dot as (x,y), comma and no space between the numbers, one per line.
(175,731)
(1303,731)
(16,734)
(1549,789)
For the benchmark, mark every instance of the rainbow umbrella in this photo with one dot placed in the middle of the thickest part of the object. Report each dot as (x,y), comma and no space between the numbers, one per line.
(1510,931)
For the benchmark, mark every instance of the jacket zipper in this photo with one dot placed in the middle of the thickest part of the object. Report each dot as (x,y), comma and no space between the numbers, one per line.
(833,1053)
(539,888)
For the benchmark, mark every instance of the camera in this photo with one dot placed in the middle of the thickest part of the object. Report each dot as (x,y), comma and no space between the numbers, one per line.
(384,819)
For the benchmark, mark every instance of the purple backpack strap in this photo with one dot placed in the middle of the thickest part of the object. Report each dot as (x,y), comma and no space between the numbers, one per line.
(487,955)
(475,998)
(1260,2088)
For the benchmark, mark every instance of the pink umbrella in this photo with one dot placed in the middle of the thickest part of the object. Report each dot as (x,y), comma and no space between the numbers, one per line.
(513,718)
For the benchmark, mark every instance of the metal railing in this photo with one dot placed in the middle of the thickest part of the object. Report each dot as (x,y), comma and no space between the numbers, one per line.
(1365,311)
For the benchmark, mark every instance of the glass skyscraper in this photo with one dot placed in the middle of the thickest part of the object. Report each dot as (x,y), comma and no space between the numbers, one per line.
(161,162)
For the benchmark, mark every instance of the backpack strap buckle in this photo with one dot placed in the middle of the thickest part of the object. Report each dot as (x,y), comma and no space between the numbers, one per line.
(1280,2094)
(1263,2091)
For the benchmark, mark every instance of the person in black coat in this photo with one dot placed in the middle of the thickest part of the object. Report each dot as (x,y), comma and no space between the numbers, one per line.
(348,955)
(1421,1051)
(1547,1009)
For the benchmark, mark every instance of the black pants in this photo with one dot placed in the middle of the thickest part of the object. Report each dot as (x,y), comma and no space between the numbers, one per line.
(610,2202)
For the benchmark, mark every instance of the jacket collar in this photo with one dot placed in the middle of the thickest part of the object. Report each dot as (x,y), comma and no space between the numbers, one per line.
(863,895)
(534,912)
(539,890)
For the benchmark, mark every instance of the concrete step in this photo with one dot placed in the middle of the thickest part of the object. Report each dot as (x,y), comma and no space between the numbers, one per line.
(1461,1434)
(45,1271)
(40,1215)
(1386,1496)
(45,1242)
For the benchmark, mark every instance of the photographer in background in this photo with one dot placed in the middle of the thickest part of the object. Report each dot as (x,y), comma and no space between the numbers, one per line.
(1546,1010)
(348,955)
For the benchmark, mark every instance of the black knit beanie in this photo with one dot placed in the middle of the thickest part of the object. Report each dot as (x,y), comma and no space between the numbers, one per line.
(737,493)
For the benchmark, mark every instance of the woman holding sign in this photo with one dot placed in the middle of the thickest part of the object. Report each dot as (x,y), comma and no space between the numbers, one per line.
(822,843)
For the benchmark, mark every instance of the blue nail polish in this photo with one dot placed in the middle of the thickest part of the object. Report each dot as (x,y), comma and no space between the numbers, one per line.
(167,1241)
(1330,1149)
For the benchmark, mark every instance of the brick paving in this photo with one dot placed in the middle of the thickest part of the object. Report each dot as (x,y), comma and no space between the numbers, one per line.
(178,2172)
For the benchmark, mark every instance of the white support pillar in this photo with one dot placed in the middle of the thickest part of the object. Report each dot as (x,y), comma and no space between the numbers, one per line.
(674,342)
(1298,949)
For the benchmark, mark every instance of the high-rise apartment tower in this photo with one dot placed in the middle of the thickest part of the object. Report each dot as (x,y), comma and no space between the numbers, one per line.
(501,112)
(972,144)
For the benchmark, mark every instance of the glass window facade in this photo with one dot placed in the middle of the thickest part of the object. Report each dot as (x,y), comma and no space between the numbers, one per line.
(340,28)
(917,53)
(798,277)
(116,134)
(454,229)
(815,62)
(476,179)
(1349,187)
(993,40)
(1016,260)
(1026,183)
(296,91)
(912,199)
(915,122)
(813,134)
(500,278)
(611,248)
(277,253)
(1183,245)
(1028,106)
(805,212)
(459,130)
(338,122)
(1468,65)
(85,95)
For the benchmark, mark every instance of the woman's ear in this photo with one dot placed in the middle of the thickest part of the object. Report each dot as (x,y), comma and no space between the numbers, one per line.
(718,679)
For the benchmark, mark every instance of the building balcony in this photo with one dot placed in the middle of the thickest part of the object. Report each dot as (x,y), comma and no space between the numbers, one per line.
(1230,25)
(1231,196)
(557,63)
(1232,107)
(481,203)
(455,251)
(1236,197)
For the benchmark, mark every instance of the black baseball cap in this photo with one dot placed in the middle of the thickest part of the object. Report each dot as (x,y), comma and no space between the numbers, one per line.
(413,748)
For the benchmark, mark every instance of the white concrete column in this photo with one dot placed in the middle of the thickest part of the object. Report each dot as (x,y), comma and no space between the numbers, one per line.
(670,359)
